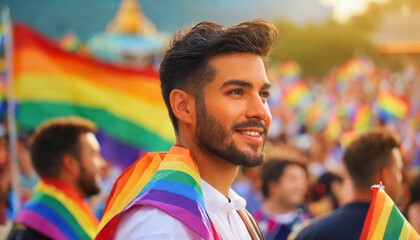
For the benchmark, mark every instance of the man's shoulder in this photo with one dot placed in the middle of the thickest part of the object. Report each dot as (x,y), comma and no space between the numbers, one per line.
(346,221)
(148,221)
(22,232)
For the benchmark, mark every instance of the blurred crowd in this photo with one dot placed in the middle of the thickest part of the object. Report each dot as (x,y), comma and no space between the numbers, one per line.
(313,122)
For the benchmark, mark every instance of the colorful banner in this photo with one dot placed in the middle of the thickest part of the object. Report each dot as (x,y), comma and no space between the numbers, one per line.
(126,104)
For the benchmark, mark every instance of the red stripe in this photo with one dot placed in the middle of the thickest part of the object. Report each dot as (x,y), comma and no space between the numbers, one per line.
(25,36)
(368,219)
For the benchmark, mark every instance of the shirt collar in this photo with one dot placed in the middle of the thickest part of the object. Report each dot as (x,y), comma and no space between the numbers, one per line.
(215,201)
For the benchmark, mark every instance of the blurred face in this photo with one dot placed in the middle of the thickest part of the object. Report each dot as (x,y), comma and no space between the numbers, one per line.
(91,165)
(393,179)
(290,190)
(233,118)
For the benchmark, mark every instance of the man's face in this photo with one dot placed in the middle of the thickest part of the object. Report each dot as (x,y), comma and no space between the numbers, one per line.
(91,164)
(291,188)
(233,118)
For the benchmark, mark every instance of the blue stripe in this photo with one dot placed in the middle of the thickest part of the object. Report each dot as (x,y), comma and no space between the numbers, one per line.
(53,217)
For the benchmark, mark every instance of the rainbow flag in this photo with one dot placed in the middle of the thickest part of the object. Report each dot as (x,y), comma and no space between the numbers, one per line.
(333,129)
(347,137)
(290,71)
(126,104)
(297,93)
(362,118)
(170,182)
(384,220)
(392,106)
(57,212)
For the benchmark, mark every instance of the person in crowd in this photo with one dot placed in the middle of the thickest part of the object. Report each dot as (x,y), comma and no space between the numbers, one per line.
(66,156)
(327,194)
(284,186)
(215,87)
(372,157)
(248,184)
(27,174)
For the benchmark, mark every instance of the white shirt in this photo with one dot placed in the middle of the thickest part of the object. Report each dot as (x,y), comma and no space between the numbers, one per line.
(147,223)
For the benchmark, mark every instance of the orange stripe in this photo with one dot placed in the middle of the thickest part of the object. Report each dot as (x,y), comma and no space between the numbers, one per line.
(143,86)
(414,235)
(379,203)
(124,178)
(131,188)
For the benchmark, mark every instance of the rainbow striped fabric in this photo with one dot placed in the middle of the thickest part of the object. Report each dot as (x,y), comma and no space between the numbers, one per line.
(384,220)
(392,106)
(125,103)
(297,93)
(57,212)
(168,181)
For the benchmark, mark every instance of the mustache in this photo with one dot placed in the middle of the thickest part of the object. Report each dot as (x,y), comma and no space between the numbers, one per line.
(251,123)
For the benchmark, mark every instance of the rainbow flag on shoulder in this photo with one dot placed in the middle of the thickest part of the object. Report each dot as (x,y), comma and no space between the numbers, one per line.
(56,211)
(384,220)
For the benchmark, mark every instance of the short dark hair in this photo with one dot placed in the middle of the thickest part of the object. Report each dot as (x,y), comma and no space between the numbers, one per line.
(368,154)
(55,138)
(272,170)
(185,64)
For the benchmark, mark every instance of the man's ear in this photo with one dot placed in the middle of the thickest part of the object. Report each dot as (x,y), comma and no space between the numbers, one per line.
(71,165)
(183,106)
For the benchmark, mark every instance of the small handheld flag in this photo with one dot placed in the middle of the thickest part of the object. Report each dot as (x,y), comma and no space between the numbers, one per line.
(384,220)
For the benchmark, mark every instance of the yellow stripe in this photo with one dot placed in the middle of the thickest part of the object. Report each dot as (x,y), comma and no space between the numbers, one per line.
(81,217)
(405,231)
(153,117)
(134,187)
(413,234)
(383,219)
(180,166)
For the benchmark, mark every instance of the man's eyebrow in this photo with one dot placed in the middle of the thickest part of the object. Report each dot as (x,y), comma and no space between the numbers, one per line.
(236,82)
(242,83)
(266,85)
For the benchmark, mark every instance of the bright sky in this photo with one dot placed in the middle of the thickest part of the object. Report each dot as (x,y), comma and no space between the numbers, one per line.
(344,9)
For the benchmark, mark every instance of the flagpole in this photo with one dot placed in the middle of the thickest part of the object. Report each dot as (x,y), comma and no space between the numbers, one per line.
(11,104)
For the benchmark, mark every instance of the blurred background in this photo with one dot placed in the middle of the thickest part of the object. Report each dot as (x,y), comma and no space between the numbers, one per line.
(340,68)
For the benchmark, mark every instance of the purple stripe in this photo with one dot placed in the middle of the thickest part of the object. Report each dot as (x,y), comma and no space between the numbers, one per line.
(40,224)
(118,152)
(193,222)
(173,199)
(182,208)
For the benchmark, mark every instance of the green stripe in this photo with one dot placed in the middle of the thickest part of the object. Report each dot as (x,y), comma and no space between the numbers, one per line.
(394,224)
(62,211)
(31,114)
(177,176)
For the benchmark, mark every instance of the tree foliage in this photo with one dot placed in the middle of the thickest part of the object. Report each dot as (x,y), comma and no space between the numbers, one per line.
(320,47)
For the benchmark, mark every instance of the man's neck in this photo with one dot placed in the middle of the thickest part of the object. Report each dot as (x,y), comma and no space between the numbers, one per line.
(217,172)
(361,196)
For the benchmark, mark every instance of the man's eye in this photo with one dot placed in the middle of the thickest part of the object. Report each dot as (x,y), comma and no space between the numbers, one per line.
(265,94)
(236,92)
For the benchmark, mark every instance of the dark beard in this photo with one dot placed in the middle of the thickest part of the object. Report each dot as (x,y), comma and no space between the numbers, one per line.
(87,183)
(215,139)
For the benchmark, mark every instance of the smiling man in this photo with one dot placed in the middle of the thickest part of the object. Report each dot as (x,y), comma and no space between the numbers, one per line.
(215,87)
